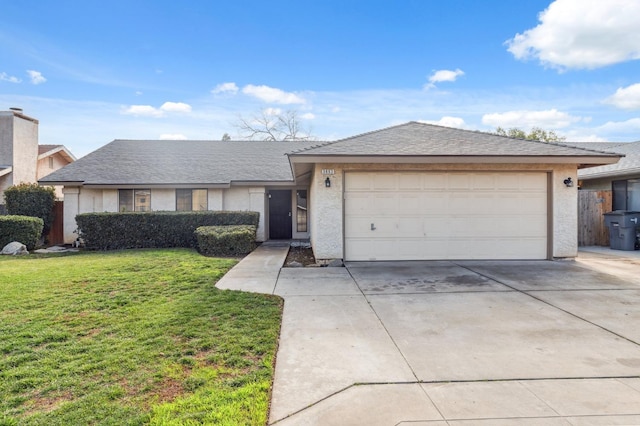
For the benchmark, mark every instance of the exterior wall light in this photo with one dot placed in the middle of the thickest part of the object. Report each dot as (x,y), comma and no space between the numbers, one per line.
(327,182)
(568,182)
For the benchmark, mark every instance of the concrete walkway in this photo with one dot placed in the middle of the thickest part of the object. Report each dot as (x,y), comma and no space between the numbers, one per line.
(453,343)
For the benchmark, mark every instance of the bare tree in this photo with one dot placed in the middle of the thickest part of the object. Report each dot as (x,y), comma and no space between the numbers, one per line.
(268,126)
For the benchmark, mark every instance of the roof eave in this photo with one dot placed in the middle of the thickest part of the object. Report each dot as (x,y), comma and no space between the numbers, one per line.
(611,173)
(218,185)
(66,154)
(5,170)
(583,161)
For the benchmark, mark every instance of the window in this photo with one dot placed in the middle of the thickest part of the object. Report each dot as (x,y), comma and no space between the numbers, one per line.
(134,200)
(626,194)
(301,210)
(619,190)
(191,200)
(51,162)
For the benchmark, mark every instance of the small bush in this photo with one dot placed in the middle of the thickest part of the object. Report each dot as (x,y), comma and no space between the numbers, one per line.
(24,229)
(114,231)
(226,240)
(31,199)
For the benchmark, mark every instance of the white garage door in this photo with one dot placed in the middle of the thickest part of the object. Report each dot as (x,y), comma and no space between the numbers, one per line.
(449,215)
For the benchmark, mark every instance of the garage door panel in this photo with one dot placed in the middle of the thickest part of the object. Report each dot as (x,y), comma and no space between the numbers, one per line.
(410,181)
(533,181)
(385,203)
(474,215)
(358,202)
(457,182)
(485,181)
(435,181)
(358,181)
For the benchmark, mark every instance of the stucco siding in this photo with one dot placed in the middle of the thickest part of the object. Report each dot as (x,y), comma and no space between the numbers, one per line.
(110,200)
(327,222)
(236,199)
(215,199)
(18,149)
(327,218)
(602,184)
(565,212)
(25,150)
(90,201)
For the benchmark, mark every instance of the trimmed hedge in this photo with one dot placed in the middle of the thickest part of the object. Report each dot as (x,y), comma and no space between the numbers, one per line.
(31,199)
(226,240)
(24,229)
(114,231)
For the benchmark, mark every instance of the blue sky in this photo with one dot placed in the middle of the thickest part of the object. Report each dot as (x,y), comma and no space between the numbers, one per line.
(96,71)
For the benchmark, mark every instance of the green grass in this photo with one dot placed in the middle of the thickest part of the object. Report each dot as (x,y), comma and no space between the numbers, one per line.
(130,338)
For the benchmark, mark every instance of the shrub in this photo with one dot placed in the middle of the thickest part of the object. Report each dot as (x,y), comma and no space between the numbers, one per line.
(226,240)
(31,199)
(24,229)
(113,231)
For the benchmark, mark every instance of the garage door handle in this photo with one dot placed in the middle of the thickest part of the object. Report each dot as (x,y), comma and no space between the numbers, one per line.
(373,227)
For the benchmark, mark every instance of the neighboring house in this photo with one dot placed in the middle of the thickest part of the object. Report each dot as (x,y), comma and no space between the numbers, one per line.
(408,192)
(622,178)
(50,159)
(22,160)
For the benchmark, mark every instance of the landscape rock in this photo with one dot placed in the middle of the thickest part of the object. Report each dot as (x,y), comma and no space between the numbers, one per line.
(295,264)
(15,248)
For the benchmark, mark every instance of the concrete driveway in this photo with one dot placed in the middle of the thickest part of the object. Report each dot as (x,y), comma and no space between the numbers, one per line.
(454,343)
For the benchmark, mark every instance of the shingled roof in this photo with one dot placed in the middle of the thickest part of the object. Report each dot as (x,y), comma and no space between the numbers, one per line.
(628,165)
(420,139)
(180,162)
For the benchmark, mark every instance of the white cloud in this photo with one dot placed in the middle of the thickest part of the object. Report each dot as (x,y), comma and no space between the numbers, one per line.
(626,97)
(143,110)
(36,77)
(445,121)
(272,111)
(176,107)
(582,34)
(225,88)
(629,126)
(546,119)
(150,111)
(308,116)
(440,76)
(578,136)
(271,94)
(173,137)
(11,79)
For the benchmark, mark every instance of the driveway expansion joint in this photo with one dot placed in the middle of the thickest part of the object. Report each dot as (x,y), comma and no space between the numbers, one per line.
(528,293)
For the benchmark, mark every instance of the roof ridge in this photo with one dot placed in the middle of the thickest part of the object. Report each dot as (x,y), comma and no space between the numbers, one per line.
(327,143)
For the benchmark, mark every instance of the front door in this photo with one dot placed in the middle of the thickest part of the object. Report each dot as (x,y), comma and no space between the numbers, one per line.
(280,214)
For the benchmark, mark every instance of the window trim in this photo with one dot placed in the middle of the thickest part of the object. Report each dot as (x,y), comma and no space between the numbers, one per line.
(191,209)
(136,206)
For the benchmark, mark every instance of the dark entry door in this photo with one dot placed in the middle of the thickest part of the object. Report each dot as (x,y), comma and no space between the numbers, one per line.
(280,215)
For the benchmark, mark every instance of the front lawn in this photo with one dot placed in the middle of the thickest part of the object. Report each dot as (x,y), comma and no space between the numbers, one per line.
(132,337)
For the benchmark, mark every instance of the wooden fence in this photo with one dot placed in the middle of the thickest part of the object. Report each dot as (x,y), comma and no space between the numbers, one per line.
(56,234)
(591,206)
